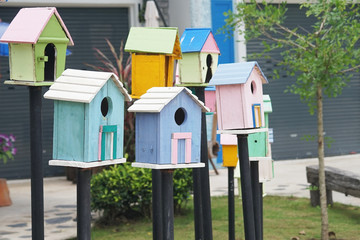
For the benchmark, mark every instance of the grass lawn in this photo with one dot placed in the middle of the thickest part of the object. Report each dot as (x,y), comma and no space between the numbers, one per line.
(284,217)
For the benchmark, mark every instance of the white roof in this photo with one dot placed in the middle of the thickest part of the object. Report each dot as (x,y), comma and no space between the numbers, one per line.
(82,86)
(156,98)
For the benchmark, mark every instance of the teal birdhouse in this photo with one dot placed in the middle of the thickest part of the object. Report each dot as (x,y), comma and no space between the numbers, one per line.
(200,56)
(88,119)
(37,39)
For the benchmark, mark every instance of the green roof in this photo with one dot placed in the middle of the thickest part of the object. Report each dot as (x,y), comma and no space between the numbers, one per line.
(154,40)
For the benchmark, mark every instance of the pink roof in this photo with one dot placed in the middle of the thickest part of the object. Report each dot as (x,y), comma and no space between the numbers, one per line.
(210,45)
(29,23)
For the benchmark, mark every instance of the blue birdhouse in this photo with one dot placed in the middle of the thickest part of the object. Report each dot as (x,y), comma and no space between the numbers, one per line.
(168,128)
(88,119)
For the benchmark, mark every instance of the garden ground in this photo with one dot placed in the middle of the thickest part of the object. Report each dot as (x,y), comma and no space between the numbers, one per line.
(60,197)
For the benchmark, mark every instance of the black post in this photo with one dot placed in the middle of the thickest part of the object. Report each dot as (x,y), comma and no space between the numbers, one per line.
(231,203)
(204,172)
(156,205)
(83,204)
(254,166)
(168,204)
(198,208)
(246,189)
(37,182)
(261,212)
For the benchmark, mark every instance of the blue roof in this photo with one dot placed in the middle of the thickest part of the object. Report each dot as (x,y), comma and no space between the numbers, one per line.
(235,73)
(186,41)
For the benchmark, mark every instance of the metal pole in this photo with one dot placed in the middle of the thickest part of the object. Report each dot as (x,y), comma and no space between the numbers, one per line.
(168,203)
(37,183)
(254,167)
(156,205)
(83,204)
(231,203)
(246,189)
(204,172)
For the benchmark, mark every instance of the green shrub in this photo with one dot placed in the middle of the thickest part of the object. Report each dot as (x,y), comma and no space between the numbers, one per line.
(124,191)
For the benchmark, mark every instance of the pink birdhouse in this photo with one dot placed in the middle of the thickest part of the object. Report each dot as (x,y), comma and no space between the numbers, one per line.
(239,95)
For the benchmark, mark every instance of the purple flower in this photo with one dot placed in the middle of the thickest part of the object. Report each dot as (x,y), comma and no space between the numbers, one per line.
(13,151)
(12,138)
(5,148)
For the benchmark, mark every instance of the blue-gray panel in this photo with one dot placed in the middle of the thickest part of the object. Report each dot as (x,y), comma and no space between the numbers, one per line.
(290,117)
(88,27)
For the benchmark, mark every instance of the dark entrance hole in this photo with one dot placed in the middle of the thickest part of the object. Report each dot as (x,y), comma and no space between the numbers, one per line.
(49,71)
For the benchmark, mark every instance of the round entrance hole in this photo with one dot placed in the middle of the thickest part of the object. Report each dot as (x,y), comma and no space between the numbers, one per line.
(253,87)
(105,106)
(180,115)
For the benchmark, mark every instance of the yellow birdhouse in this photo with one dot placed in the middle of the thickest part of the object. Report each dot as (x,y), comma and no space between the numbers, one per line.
(153,52)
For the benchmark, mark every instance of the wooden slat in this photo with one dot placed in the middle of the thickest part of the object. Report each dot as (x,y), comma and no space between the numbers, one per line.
(88,74)
(74,88)
(81,81)
(76,164)
(146,108)
(69,96)
(167,166)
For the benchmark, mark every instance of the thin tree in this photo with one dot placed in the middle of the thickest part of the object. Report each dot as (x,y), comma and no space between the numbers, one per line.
(322,59)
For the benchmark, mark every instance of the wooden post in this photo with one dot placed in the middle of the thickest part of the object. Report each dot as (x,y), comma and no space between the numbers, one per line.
(83,204)
(37,182)
(231,203)
(255,184)
(204,175)
(198,208)
(157,205)
(168,203)
(246,189)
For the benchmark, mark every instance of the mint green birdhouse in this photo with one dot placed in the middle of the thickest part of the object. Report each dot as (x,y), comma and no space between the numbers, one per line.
(37,39)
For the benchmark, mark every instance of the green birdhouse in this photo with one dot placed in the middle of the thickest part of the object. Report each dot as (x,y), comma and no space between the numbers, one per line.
(37,39)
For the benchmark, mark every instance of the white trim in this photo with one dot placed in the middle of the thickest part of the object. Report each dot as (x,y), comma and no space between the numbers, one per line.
(131,4)
(67,163)
(167,166)
(242,131)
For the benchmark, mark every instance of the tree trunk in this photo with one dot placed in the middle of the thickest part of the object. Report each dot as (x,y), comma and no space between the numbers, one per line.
(322,186)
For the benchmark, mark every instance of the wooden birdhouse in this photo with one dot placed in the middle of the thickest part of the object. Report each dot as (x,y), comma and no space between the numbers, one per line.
(88,118)
(239,95)
(210,98)
(258,143)
(200,56)
(37,39)
(168,128)
(153,52)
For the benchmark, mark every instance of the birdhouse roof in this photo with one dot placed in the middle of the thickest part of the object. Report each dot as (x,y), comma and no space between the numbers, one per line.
(156,98)
(154,40)
(236,73)
(82,86)
(198,40)
(29,23)
(267,104)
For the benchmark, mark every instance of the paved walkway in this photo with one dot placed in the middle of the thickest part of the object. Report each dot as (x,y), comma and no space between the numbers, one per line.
(60,197)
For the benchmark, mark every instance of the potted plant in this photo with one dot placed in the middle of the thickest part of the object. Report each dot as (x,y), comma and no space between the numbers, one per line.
(7,152)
